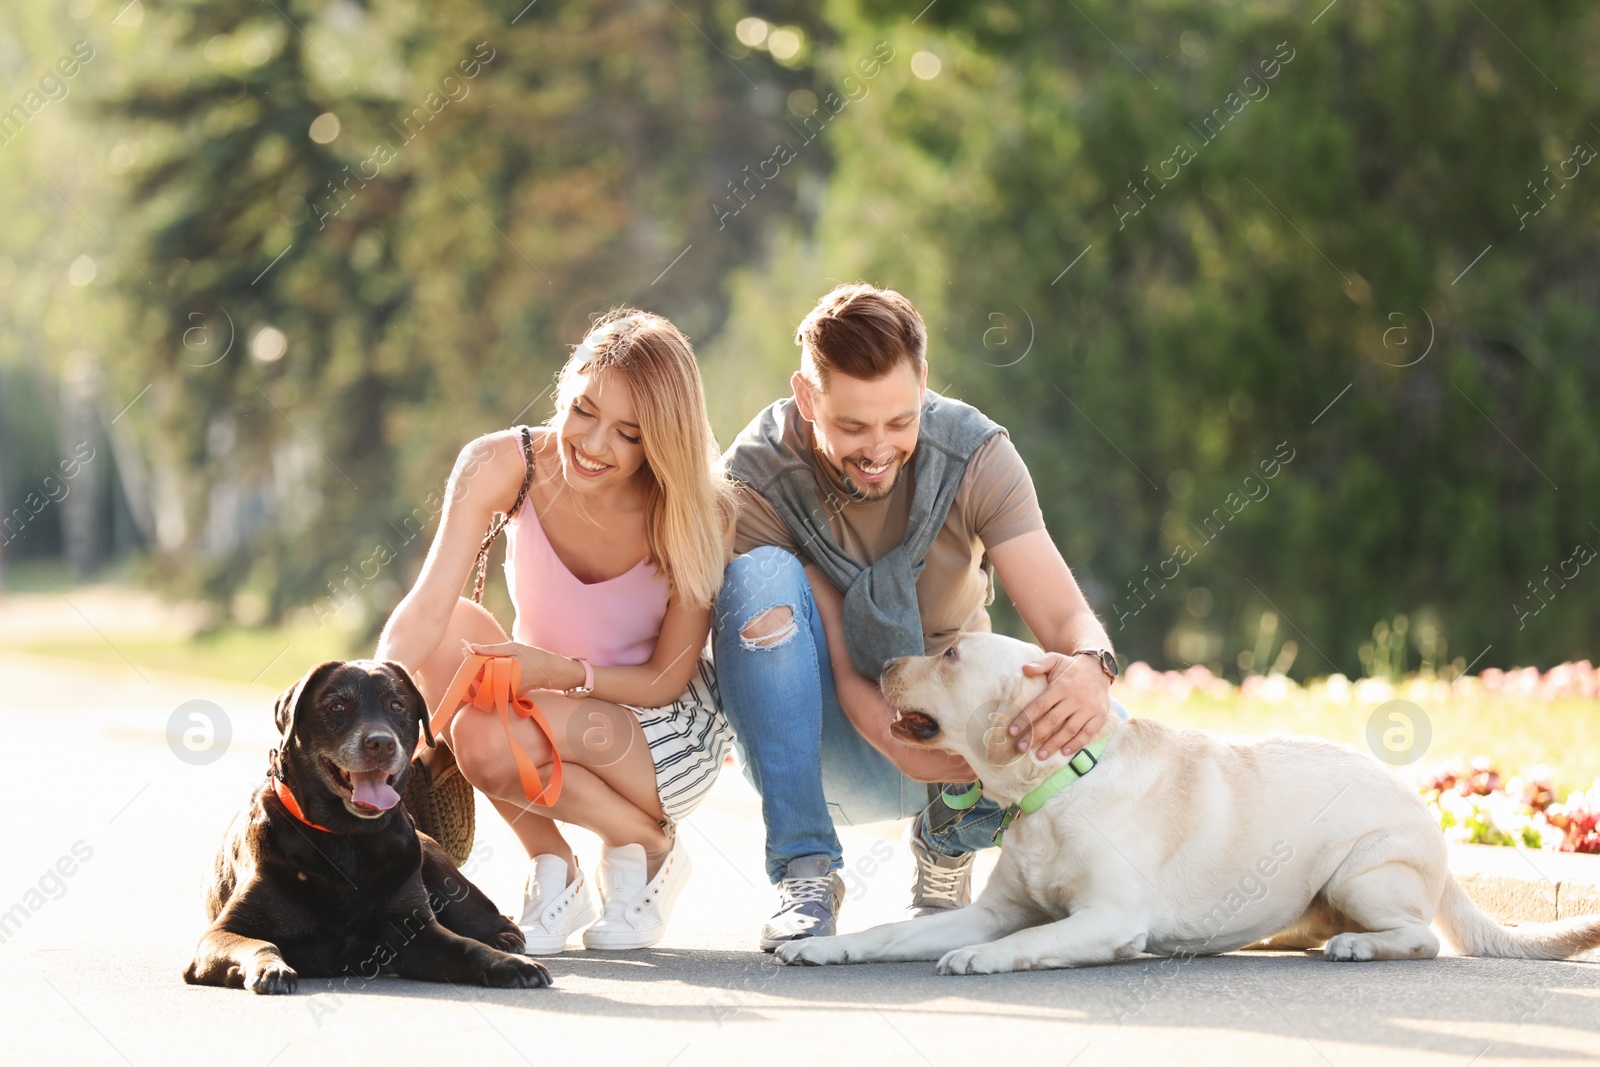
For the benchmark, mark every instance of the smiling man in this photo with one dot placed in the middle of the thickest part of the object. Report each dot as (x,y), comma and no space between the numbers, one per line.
(870,513)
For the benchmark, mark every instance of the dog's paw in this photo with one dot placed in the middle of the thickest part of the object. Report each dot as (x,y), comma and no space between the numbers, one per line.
(972,960)
(271,976)
(813,951)
(515,972)
(509,939)
(1349,948)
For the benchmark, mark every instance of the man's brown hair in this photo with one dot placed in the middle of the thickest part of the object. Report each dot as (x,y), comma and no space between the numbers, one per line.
(862,331)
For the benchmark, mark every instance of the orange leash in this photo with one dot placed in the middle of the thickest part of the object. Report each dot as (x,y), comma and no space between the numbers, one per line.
(490,683)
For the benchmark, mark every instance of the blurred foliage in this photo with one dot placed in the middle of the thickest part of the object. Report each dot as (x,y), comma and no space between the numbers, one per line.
(1215,306)
(1153,325)
(487,188)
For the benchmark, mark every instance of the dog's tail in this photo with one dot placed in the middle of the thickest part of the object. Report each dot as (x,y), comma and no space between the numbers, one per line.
(1475,934)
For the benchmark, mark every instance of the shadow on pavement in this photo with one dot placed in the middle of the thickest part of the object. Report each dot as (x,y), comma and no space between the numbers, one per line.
(1512,1005)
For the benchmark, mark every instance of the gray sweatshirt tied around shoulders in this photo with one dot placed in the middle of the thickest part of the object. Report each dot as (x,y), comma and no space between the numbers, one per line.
(881,617)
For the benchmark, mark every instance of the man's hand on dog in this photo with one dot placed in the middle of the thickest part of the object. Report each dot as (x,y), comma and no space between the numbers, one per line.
(1070,712)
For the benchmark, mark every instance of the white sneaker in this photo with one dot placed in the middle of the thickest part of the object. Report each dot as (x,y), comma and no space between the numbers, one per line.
(552,910)
(943,883)
(636,912)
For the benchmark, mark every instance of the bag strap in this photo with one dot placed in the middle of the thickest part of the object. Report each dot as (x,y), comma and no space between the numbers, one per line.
(491,683)
(498,523)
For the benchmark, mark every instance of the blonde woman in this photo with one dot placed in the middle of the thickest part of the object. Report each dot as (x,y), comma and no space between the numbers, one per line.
(613,560)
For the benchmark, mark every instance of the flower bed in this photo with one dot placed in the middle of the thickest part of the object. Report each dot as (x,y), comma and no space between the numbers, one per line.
(1475,804)
(1579,680)
(1548,721)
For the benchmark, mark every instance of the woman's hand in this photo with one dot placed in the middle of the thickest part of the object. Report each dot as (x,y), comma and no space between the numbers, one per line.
(541,669)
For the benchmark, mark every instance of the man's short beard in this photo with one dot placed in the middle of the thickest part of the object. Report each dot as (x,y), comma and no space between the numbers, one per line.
(854,491)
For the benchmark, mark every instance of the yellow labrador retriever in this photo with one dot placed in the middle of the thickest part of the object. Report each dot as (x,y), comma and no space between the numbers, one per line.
(1176,842)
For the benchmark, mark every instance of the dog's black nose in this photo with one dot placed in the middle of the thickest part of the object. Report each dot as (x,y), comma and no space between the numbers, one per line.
(381,744)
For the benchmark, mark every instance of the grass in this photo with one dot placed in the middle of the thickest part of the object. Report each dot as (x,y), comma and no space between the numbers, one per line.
(1516,733)
(111,618)
(270,656)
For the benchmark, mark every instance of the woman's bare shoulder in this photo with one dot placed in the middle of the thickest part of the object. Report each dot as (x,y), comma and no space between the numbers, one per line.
(493,463)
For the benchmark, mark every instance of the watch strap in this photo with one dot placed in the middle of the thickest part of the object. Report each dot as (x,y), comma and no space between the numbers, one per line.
(588,678)
(1106,658)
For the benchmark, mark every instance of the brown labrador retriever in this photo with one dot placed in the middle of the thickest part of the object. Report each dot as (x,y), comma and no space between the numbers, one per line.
(326,874)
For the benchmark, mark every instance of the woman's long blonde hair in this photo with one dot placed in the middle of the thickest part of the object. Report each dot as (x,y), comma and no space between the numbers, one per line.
(689,497)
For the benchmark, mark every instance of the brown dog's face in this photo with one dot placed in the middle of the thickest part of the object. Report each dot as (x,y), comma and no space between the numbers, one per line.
(963,701)
(349,729)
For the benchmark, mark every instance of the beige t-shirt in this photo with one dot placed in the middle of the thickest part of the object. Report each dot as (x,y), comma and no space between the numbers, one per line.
(994,503)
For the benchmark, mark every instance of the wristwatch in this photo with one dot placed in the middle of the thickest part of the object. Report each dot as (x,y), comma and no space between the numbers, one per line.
(1108,662)
(588,678)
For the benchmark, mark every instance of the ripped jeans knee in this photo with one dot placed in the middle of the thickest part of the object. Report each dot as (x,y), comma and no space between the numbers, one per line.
(765,596)
(770,628)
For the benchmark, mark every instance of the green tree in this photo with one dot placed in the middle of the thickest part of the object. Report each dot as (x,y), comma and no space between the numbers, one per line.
(1210,223)
(402,215)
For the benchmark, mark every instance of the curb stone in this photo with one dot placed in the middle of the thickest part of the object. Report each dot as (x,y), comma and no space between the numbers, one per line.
(1529,886)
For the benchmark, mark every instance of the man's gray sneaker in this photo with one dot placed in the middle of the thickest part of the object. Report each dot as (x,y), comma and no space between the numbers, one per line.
(809,903)
(943,882)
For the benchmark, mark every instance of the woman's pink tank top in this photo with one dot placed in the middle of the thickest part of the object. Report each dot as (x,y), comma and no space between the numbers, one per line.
(614,623)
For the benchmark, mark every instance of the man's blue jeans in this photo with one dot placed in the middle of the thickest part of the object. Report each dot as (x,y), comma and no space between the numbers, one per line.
(797,746)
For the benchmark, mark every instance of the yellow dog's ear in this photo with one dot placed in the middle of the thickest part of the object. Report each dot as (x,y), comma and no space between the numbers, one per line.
(288,704)
(999,746)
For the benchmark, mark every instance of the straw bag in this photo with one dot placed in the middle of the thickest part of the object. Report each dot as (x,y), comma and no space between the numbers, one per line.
(441,800)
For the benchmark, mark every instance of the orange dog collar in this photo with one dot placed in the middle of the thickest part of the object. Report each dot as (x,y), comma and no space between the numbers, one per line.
(286,797)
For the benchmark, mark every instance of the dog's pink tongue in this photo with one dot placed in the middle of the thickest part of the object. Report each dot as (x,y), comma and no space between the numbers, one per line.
(373,789)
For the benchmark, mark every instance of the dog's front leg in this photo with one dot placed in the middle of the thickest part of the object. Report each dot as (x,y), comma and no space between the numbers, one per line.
(230,959)
(228,955)
(1089,936)
(462,907)
(926,938)
(435,954)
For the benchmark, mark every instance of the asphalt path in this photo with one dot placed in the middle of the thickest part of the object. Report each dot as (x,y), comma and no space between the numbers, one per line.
(90,967)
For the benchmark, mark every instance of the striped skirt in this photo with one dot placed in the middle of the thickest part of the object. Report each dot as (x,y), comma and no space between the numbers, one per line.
(688,739)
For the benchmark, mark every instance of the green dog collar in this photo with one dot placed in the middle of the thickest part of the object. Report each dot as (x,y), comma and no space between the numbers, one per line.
(1082,762)
(963,801)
